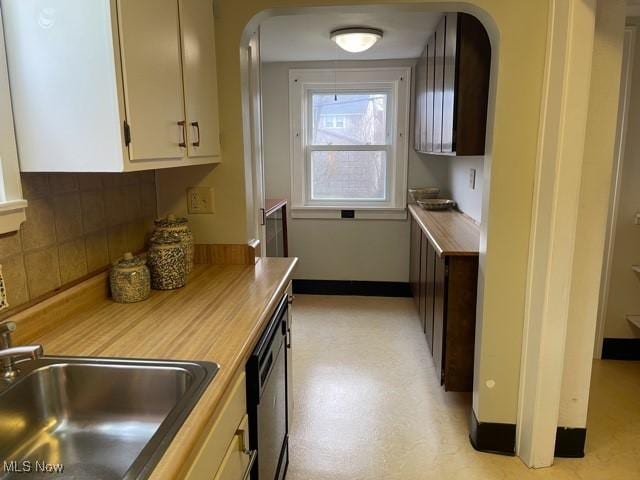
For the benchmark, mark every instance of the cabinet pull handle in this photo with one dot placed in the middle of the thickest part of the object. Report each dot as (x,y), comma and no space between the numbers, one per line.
(252,459)
(242,433)
(196,125)
(183,142)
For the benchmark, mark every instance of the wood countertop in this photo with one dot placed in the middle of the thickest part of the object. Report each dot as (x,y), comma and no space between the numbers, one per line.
(218,316)
(450,232)
(273,204)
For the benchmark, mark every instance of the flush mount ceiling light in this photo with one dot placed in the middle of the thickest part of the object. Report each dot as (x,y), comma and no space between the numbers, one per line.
(356,39)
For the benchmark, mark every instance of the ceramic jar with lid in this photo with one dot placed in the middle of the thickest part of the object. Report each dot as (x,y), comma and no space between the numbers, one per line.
(166,260)
(179,226)
(129,279)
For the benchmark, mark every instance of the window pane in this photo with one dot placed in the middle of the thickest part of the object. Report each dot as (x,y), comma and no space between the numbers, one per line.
(352,119)
(348,175)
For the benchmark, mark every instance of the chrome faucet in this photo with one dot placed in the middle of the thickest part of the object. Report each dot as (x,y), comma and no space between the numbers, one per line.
(10,355)
(5,334)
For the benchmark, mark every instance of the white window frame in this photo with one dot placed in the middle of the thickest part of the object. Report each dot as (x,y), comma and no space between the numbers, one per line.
(394,81)
(12,205)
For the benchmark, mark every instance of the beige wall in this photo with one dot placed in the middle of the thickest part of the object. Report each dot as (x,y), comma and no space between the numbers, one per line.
(518,30)
(374,250)
(624,286)
(76,224)
(469,199)
(593,211)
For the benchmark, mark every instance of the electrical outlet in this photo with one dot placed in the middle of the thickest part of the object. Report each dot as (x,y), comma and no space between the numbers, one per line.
(472,178)
(200,200)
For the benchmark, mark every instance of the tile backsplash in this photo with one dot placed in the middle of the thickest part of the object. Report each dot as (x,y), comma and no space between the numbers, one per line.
(77,223)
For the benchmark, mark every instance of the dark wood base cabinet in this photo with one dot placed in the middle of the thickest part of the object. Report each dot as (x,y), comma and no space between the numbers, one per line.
(445,291)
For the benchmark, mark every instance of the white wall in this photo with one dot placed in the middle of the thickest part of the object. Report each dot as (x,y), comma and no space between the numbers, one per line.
(374,250)
(456,184)
(469,199)
(624,286)
(592,213)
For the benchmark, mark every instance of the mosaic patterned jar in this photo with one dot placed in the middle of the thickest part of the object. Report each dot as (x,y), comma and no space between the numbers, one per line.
(3,292)
(166,260)
(179,226)
(129,279)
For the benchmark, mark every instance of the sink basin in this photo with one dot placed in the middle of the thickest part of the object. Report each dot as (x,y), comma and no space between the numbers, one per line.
(101,419)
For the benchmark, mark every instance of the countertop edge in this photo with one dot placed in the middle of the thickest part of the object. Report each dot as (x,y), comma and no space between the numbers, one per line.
(240,359)
(273,204)
(413,209)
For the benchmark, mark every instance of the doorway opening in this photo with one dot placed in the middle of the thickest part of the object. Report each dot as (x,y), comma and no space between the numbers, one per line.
(342,139)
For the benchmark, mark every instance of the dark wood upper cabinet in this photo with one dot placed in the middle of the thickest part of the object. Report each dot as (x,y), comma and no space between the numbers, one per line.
(428,123)
(452,88)
(438,86)
(421,104)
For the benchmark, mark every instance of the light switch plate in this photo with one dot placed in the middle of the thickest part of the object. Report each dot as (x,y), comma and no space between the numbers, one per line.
(637,220)
(200,200)
(472,178)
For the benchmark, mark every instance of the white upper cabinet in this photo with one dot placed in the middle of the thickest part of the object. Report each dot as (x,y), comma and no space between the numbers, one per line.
(200,78)
(151,67)
(100,86)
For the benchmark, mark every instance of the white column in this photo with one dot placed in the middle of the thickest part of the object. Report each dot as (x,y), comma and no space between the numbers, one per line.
(553,230)
(600,147)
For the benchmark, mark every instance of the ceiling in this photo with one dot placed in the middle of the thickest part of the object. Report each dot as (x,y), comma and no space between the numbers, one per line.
(305,37)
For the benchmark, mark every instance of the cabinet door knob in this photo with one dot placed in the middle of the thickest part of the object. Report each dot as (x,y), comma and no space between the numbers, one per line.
(196,125)
(183,142)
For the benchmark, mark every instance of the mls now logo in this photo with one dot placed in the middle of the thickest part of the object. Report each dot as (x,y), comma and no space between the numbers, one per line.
(27,466)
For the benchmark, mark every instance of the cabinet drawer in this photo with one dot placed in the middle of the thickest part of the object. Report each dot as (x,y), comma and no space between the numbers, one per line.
(236,462)
(223,434)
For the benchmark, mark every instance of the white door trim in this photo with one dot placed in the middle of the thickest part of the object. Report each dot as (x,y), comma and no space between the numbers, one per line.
(630,33)
(257,151)
(554,219)
(252,137)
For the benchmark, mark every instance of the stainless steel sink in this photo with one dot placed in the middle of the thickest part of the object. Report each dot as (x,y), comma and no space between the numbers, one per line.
(98,418)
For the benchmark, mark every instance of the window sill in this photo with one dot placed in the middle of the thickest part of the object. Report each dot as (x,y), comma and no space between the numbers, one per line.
(12,214)
(359,214)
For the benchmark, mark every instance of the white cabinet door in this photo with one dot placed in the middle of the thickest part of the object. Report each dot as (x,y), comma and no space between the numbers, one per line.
(237,461)
(152,77)
(223,443)
(200,79)
(64,88)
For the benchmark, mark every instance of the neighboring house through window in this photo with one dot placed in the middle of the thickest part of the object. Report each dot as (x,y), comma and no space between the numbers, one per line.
(349,142)
(332,121)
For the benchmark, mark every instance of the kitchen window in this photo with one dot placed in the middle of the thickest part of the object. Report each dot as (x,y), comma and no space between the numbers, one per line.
(12,205)
(348,142)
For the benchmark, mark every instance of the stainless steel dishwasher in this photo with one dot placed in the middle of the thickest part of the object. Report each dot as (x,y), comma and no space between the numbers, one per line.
(267,399)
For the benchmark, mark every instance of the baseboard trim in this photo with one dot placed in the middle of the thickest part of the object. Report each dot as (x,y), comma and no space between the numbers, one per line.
(351,287)
(570,442)
(491,437)
(621,349)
